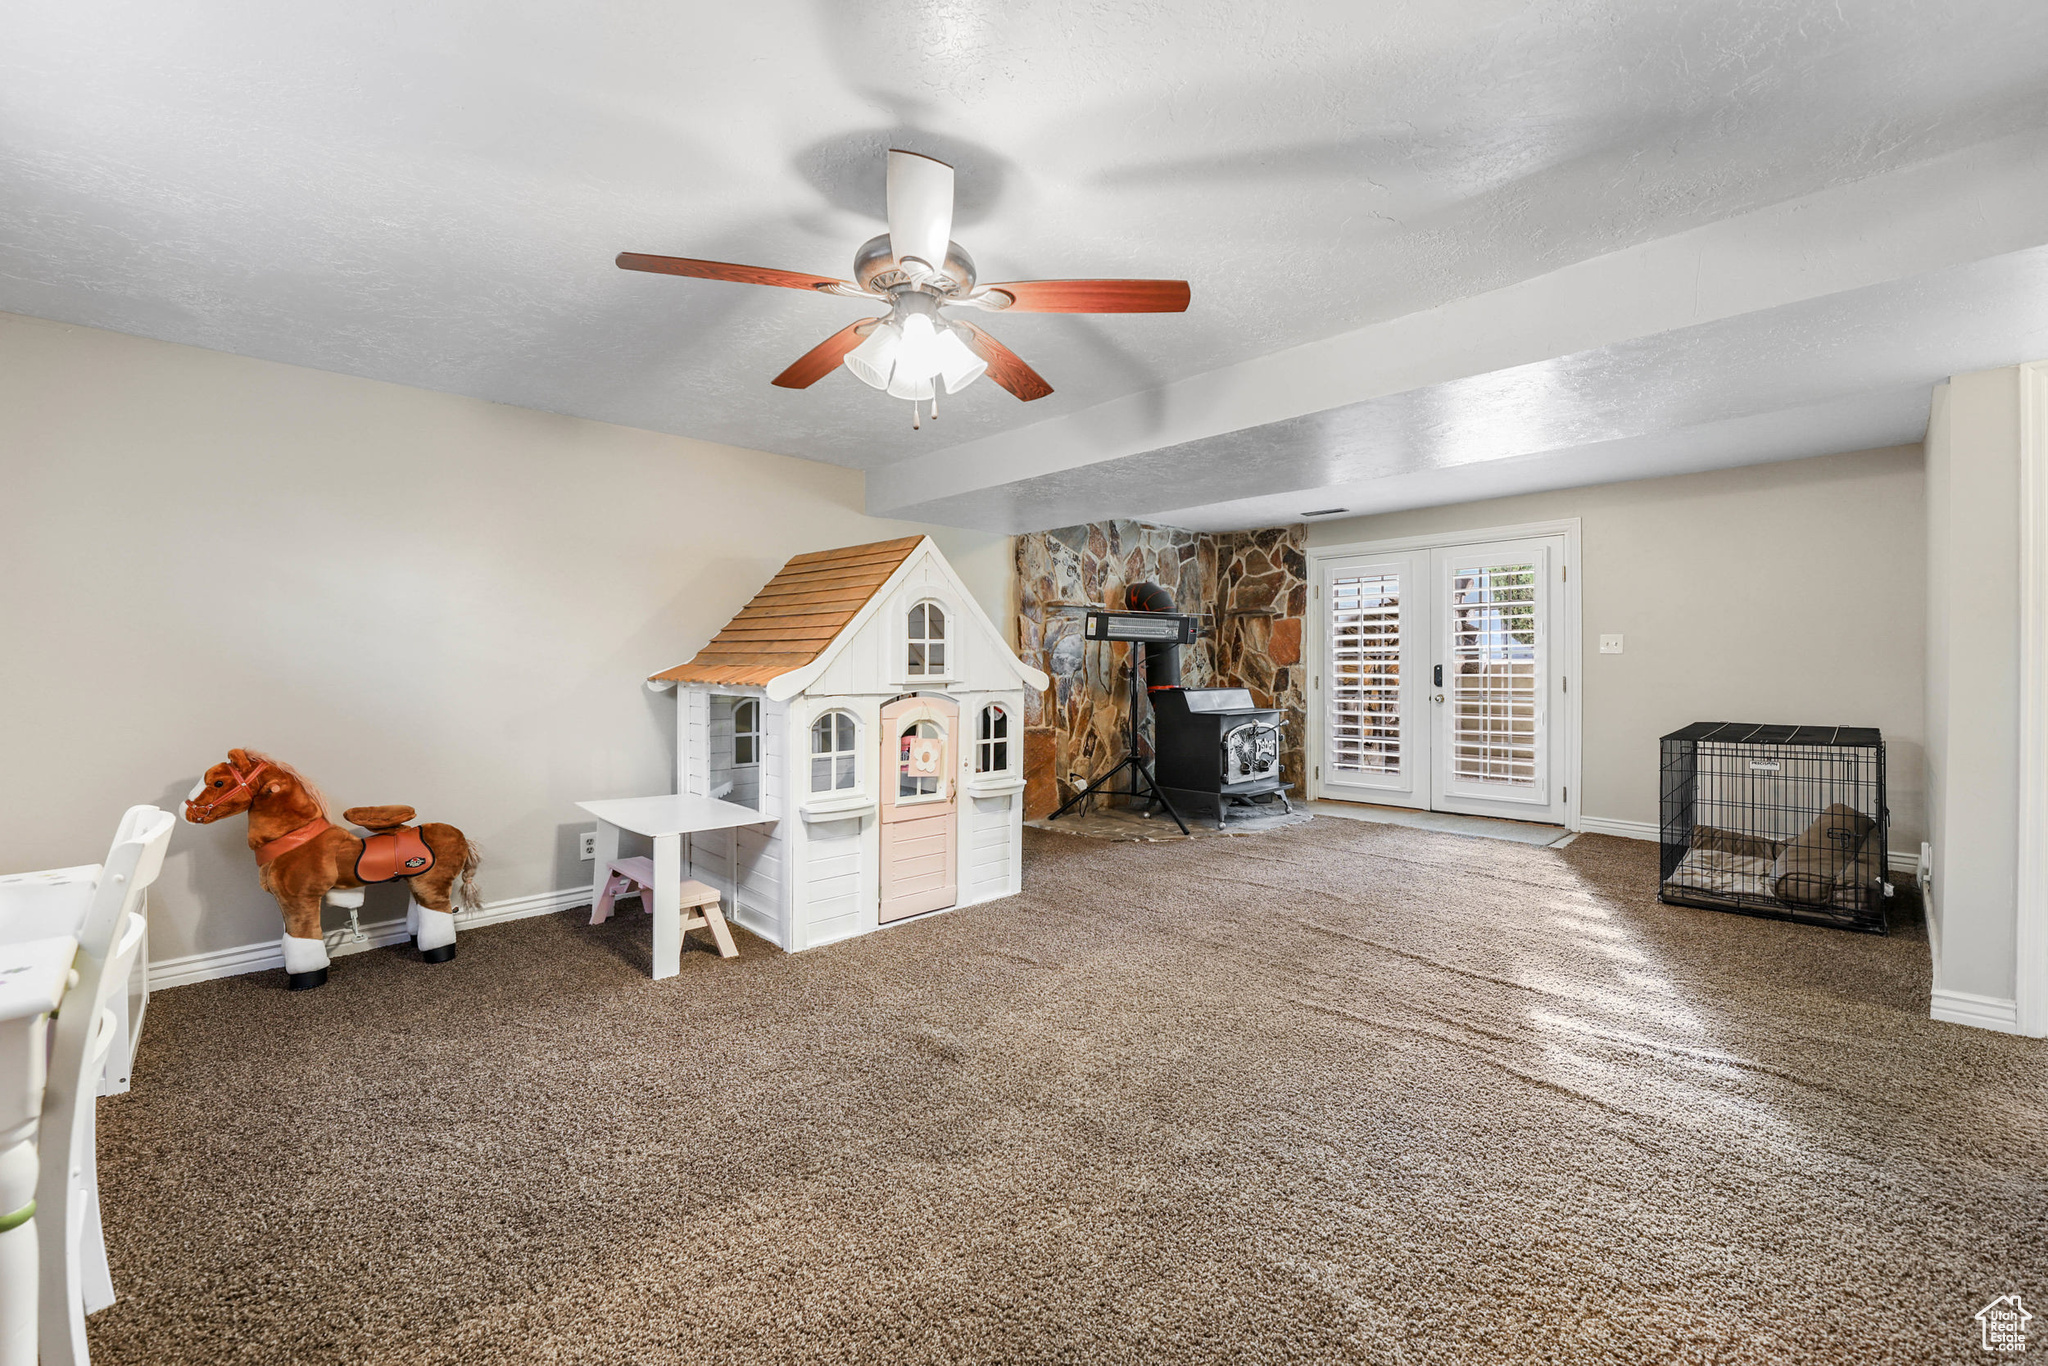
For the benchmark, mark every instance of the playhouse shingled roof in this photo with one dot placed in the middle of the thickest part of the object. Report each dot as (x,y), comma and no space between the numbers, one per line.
(792,620)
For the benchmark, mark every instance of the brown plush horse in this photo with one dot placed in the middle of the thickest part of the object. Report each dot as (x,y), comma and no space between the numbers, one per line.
(301,856)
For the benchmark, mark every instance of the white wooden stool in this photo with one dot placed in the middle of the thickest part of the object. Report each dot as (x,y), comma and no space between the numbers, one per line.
(628,874)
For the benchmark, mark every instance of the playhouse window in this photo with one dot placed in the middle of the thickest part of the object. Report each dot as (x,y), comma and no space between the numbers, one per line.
(921,751)
(746,731)
(832,752)
(992,750)
(927,640)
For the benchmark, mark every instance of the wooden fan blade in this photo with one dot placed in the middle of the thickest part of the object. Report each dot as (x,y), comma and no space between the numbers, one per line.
(1005,366)
(1096,296)
(722,270)
(823,358)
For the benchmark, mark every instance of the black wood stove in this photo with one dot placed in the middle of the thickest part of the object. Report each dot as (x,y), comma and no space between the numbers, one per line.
(1217,749)
(1213,748)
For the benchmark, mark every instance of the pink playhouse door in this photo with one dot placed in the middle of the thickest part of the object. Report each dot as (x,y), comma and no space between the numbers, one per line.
(919,856)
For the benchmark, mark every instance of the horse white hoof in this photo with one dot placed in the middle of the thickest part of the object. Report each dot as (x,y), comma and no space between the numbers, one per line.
(305,962)
(436,935)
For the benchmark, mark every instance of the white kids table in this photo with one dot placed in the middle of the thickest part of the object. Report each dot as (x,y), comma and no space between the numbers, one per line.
(665,820)
(34,975)
(55,901)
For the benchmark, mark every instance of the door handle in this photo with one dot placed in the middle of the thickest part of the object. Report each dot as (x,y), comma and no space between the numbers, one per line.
(1438,698)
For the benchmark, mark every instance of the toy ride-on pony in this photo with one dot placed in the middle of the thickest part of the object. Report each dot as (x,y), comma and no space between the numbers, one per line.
(301,856)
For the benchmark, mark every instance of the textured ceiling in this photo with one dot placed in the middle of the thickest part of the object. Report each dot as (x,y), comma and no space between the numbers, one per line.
(433,193)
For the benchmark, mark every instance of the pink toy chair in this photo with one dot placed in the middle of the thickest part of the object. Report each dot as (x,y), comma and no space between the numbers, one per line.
(628,875)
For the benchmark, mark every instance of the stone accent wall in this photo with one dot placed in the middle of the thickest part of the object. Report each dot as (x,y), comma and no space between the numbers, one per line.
(1248,587)
(1262,587)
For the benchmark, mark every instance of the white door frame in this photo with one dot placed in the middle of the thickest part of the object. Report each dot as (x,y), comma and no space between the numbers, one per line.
(1567,639)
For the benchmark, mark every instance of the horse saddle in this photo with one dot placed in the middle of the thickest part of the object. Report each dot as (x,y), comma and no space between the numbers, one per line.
(395,850)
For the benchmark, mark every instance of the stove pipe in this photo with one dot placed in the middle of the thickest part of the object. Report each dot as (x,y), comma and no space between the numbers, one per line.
(1162,661)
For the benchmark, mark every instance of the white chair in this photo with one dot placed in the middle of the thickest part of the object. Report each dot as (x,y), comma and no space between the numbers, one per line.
(74,1279)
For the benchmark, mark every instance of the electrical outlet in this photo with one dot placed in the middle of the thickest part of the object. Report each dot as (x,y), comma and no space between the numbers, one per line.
(1610,645)
(587,843)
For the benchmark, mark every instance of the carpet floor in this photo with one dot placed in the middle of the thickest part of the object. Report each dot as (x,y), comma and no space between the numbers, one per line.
(1342,1092)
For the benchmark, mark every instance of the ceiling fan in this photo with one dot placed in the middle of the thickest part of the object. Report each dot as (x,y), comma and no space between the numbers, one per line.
(915,352)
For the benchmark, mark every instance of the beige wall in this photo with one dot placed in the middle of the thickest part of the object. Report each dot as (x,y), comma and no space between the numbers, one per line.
(1787,593)
(413,597)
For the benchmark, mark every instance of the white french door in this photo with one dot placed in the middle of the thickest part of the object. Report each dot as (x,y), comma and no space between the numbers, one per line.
(1371,664)
(1496,699)
(1440,682)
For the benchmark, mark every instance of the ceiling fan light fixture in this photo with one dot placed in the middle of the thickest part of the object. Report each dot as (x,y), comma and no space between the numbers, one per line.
(916,269)
(909,384)
(920,353)
(874,360)
(958,366)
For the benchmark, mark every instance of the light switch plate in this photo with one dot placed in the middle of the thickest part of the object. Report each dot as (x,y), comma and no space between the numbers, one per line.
(1610,645)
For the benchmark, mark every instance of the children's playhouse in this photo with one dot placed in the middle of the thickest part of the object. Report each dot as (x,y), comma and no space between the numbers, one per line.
(864,701)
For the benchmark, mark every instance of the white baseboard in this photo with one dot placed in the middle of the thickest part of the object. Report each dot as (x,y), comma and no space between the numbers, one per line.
(165,973)
(520,907)
(1981,1012)
(1628,830)
(1901,861)
(201,967)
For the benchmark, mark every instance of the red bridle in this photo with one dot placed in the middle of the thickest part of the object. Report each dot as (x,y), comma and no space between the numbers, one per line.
(243,783)
(271,850)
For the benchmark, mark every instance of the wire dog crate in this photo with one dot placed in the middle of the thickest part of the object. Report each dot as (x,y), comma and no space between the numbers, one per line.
(1780,821)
